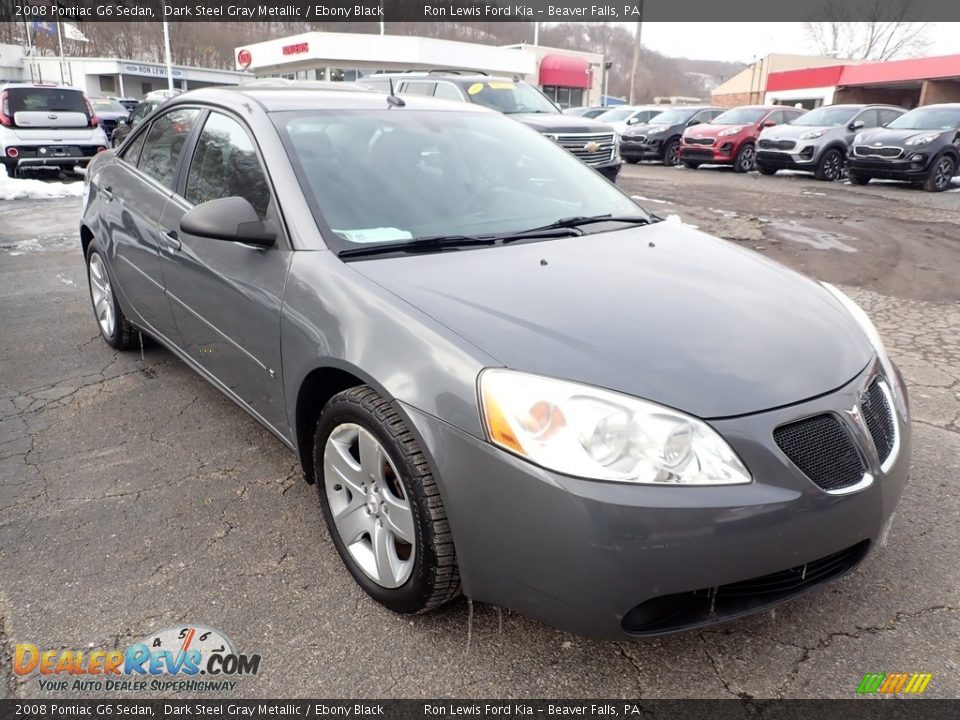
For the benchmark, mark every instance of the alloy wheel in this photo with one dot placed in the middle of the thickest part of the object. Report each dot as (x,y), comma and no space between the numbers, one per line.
(943,173)
(673,154)
(369,506)
(832,166)
(747,158)
(101,293)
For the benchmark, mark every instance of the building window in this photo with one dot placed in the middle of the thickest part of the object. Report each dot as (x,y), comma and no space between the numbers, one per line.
(565,97)
(108,84)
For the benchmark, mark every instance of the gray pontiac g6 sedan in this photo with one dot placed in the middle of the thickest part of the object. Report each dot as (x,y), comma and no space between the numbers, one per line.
(505,377)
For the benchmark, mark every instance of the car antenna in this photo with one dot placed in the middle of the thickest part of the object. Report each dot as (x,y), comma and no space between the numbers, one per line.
(392,99)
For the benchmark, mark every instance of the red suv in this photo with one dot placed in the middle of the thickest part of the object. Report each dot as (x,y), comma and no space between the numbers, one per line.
(731,137)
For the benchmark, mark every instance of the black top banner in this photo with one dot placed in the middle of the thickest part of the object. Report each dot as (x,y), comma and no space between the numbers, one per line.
(466,11)
(42,709)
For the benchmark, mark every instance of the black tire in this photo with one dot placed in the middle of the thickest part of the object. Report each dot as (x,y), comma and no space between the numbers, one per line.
(671,153)
(856,179)
(746,158)
(435,578)
(830,166)
(11,168)
(766,169)
(942,170)
(124,335)
(692,164)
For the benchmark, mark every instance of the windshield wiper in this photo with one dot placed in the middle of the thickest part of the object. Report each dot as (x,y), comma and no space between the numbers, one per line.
(574,223)
(421,244)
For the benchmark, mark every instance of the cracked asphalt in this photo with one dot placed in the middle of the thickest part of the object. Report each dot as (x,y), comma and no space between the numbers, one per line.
(134,497)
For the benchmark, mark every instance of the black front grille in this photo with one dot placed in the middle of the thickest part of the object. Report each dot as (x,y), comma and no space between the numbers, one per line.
(697,154)
(823,450)
(679,611)
(698,141)
(878,415)
(768,144)
(884,152)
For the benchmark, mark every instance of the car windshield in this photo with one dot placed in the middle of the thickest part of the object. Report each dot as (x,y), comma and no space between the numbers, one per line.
(388,176)
(826,117)
(43,99)
(740,116)
(107,105)
(928,118)
(616,115)
(672,117)
(510,97)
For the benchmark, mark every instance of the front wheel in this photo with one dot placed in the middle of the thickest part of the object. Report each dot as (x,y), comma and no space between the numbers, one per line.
(830,166)
(941,174)
(766,169)
(692,164)
(114,327)
(858,179)
(746,157)
(671,153)
(381,504)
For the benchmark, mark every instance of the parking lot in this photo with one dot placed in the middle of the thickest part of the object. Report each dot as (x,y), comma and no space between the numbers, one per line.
(135,497)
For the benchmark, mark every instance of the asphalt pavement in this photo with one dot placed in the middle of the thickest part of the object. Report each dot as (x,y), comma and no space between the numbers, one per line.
(135,497)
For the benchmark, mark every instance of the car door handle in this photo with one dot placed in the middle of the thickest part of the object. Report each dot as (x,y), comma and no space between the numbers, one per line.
(169,240)
(107,192)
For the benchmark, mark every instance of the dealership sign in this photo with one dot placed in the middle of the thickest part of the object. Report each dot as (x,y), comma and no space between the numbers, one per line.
(296,48)
(152,70)
(244,58)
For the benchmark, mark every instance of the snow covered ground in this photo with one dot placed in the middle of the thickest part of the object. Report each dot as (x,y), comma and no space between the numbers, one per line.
(34,189)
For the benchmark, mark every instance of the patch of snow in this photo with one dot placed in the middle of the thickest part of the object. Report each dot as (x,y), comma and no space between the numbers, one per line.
(26,246)
(65,281)
(653,200)
(32,189)
(811,192)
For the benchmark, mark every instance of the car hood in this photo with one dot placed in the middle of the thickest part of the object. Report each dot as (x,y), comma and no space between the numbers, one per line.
(560,123)
(661,312)
(885,136)
(712,131)
(792,132)
(643,128)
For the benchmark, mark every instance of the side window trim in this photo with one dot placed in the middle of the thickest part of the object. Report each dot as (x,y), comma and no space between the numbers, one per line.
(186,157)
(178,194)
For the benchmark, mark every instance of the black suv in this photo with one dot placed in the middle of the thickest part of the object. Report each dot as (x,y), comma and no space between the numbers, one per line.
(921,146)
(593,142)
(659,137)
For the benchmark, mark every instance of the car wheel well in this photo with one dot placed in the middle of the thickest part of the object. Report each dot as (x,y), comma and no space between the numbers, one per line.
(86,237)
(316,389)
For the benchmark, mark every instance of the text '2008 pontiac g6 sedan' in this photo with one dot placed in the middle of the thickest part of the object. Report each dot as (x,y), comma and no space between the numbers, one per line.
(505,377)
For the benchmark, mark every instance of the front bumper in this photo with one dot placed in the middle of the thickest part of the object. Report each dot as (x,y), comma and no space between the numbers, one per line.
(806,159)
(581,554)
(650,149)
(900,169)
(722,153)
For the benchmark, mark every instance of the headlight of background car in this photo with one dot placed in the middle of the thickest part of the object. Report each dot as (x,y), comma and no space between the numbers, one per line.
(923,139)
(870,330)
(730,131)
(597,434)
(655,130)
(811,134)
(858,138)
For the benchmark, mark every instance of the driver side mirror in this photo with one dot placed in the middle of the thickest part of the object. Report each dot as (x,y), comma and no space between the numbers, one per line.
(856,125)
(232,219)
(767,123)
(693,122)
(633,121)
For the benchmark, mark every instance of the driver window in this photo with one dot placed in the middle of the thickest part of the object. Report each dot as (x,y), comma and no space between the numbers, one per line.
(225,164)
(164,145)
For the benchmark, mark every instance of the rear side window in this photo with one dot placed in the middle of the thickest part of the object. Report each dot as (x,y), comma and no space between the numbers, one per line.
(225,164)
(143,109)
(887,116)
(868,118)
(164,145)
(447,91)
(418,88)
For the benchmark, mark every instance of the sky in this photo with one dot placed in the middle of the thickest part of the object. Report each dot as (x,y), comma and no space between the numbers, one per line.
(746,41)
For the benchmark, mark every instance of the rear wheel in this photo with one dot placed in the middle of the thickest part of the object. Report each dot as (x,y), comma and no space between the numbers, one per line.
(830,166)
(746,158)
(858,179)
(941,174)
(116,331)
(766,169)
(671,153)
(692,164)
(381,504)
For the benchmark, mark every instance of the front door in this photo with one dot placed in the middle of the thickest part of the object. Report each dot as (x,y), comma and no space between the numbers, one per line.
(226,296)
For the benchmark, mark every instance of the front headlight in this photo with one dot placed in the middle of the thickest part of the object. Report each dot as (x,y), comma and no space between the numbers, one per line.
(730,131)
(598,434)
(655,130)
(923,139)
(858,138)
(811,134)
(870,330)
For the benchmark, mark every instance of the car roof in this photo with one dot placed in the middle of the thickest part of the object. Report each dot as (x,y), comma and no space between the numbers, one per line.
(49,86)
(442,75)
(316,95)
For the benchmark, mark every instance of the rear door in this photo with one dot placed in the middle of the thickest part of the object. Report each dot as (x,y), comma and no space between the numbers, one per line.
(226,296)
(49,114)
(134,191)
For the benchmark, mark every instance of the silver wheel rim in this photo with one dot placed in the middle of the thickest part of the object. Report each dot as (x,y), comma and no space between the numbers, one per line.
(102,295)
(369,505)
(746,158)
(944,173)
(831,166)
(673,154)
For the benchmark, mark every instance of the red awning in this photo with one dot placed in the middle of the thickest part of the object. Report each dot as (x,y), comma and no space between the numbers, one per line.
(564,71)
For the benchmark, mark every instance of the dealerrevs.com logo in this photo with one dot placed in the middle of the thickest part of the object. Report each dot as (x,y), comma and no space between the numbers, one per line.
(894,683)
(192,658)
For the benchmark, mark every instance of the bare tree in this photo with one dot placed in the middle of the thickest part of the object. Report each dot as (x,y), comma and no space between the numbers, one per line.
(884,32)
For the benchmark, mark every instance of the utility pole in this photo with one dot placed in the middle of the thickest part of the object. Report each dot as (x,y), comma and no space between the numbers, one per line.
(166,52)
(536,34)
(635,69)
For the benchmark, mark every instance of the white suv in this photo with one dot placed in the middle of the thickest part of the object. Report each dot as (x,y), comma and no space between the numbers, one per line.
(47,125)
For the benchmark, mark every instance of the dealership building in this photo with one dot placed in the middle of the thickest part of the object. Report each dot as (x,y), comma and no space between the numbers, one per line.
(570,78)
(108,76)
